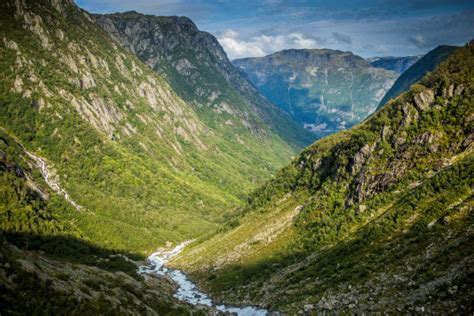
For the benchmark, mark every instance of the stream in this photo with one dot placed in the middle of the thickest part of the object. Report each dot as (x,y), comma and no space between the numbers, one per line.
(187,290)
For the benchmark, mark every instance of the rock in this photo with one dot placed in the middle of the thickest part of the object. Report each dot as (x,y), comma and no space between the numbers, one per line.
(308,307)
(27,265)
(386,132)
(360,158)
(401,139)
(448,92)
(361,209)
(409,114)
(459,89)
(426,138)
(468,141)
(424,100)
(298,208)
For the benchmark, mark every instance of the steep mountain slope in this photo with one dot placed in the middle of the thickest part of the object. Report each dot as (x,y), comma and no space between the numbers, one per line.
(47,266)
(323,90)
(397,64)
(378,218)
(199,71)
(110,135)
(417,71)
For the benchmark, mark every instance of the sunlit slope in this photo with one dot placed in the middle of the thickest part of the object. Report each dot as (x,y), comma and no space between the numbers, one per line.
(377,218)
(124,146)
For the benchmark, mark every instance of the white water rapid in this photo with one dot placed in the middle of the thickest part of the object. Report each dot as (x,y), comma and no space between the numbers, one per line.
(187,290)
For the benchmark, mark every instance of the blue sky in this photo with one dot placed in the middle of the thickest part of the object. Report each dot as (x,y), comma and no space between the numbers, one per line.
(368,28)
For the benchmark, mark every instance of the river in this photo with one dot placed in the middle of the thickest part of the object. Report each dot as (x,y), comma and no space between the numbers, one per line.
(187,290)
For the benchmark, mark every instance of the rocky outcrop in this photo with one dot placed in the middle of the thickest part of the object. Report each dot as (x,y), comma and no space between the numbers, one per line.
(424,100)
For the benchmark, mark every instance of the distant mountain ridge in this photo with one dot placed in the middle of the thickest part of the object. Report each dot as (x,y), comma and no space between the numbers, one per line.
(323,90)
(397,64)
(419,69)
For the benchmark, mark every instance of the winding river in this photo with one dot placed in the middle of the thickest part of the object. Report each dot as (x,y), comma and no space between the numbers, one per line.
(187,290)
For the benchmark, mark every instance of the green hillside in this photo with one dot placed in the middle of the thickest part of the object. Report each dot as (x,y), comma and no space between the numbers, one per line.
(375,219)
(141,164)
(417,71)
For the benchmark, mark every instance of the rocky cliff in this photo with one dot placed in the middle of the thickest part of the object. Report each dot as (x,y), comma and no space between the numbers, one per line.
(199,71)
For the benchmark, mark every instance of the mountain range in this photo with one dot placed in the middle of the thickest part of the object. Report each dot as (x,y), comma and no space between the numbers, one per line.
(198,69)
(323,90)
(397,64)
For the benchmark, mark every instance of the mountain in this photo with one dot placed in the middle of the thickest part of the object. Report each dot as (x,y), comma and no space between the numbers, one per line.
(374,219)
(397,64)
(417,71)
(48,266)
(323,90)
(198,69)
(102,161)
(138,162)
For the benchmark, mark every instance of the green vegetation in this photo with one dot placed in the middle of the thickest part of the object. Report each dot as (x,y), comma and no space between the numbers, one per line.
(377,218)
(144,166)
(417,71)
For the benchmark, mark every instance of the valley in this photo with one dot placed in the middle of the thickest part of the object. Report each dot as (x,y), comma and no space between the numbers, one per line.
(144,170)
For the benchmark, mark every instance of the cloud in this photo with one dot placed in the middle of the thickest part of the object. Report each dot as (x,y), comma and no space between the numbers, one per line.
(418,40)
(342,38)
(261,45)
(235,48)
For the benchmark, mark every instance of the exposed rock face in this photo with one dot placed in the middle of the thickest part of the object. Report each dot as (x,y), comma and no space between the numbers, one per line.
(200,72)
(360,158)
(424,100)
(324,90)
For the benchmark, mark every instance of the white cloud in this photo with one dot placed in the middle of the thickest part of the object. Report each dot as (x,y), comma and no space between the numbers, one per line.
(261,45)
(235,48)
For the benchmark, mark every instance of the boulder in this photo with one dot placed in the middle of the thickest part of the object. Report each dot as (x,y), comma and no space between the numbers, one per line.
(459,89)
(424,100)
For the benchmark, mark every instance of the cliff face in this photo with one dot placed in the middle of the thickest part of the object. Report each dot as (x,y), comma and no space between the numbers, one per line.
(199,71)
(323,90)
(377,218)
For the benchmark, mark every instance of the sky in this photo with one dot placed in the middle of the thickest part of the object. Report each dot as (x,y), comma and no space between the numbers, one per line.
(253,28)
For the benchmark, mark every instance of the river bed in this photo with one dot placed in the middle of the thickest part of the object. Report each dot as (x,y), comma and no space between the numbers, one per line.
(187,290)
